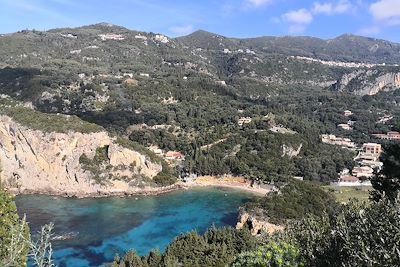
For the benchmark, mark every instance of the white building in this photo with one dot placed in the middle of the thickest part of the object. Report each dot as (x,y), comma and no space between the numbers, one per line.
(345,126)
(244,120)
(339,141)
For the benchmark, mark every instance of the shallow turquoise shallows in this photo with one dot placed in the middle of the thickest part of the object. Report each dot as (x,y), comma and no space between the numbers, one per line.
(90,232)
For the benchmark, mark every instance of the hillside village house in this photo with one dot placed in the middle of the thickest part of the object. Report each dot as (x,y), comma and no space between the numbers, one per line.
(345,126)
(393,136)
(372,149)
(244,120)
(339,141)
(384,119)
(364,171)
(348,113)
(174,155)
(349,180)
(156,150)
(369,155)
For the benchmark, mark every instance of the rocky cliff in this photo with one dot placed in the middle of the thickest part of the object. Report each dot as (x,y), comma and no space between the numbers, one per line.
(71,164)
(368,82)
(256,224)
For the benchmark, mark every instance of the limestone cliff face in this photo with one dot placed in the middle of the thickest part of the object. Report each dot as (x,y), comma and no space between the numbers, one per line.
(36,162)
(368,82)
(256,224)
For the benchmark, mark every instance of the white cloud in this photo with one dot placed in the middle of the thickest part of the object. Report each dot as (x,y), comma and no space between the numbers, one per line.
(258,3)
(386,11)
(328,8)
(301,16)
(182,30)
(298,20)
(325,8)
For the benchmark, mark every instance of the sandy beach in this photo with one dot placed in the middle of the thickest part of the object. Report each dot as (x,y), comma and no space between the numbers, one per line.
(239,183)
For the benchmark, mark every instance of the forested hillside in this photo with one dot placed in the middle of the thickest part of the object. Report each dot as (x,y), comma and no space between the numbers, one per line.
(189,94)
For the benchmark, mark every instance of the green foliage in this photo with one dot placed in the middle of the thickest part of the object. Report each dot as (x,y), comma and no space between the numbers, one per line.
(273,254)
(363,234)
(214,248)
(217,247)
(164,179)
(166,176)
(397,127)
(387,182)
(13,248)
(48,122)
(93,165)
(96,165)
(294,200)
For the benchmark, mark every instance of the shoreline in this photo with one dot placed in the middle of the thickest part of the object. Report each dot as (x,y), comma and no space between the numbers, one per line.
(154,191)
(228,181)
(237,183)
(255,191)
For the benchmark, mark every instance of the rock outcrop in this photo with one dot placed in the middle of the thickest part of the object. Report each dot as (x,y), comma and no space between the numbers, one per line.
(368,82)
(291,152)
(256,225)
(50,163)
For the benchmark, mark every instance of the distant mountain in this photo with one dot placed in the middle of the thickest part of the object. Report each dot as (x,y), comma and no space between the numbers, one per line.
(349,48)
(361,65)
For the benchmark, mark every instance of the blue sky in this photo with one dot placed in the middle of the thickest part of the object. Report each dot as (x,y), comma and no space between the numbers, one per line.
(234,18)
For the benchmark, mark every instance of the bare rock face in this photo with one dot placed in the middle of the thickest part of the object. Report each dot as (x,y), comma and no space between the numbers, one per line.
(291,152)
(36,162)
(256,225)
(369,82)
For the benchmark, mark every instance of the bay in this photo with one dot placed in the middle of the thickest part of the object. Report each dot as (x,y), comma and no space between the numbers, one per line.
(90,232)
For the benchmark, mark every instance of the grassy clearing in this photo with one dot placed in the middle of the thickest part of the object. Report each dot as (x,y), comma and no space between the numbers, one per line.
(344,193)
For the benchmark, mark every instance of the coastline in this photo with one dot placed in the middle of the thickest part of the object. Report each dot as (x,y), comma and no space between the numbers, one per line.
(147,191)
(227,181)
(237,183)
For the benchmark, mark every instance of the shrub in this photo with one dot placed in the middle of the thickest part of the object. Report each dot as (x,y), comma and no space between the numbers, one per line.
(363,234)
(273,254)
(13,248)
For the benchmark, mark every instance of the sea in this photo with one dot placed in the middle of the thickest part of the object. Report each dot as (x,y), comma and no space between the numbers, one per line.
(91,232)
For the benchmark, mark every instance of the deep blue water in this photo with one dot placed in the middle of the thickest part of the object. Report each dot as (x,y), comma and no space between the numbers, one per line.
(101,228)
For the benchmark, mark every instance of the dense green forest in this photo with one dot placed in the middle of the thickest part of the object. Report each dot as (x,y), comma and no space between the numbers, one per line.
(190,94)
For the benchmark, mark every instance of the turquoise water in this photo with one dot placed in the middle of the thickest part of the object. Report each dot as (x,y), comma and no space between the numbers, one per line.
(98,229)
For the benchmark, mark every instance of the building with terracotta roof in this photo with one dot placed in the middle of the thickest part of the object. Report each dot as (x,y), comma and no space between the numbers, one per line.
(389,136)
(363,171)
(372,149)
(174,155)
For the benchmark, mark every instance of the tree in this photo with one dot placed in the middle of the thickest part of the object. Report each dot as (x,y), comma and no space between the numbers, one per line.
(15,242)
(387,182)
(273,254)
(397,127)
(363,234)
(13,248)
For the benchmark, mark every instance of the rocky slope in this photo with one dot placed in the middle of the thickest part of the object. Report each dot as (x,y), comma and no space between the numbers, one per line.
(369,82)
(52,163)
(256,224)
